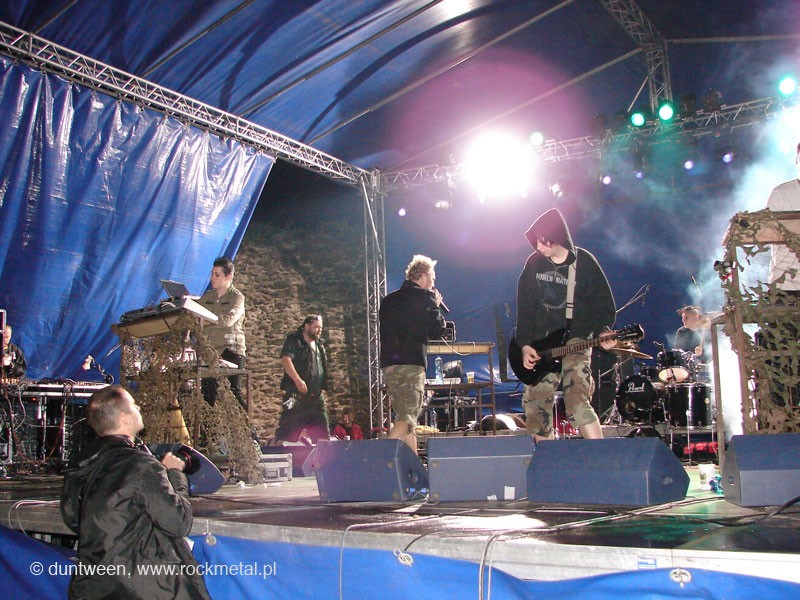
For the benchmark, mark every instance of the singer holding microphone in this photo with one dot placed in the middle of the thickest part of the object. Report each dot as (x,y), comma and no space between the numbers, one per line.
(409,317)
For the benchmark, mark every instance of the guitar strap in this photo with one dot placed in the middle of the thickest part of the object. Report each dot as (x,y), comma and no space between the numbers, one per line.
(570,295)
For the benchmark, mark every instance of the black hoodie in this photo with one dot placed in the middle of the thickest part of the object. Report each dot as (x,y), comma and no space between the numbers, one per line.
(542,287)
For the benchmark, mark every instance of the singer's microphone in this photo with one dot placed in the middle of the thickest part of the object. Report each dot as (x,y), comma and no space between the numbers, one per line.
(441,300)
(87,364)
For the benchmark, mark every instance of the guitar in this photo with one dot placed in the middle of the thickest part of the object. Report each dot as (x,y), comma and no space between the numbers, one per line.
(552,348)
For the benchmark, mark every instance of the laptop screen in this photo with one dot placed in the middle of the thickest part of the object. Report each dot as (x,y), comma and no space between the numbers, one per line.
(174,289)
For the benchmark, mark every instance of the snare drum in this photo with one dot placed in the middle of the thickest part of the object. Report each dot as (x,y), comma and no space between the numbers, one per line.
(689,405)
(638,400)
(675,366)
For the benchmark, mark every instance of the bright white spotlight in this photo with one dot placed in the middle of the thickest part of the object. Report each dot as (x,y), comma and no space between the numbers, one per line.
(499,165)
(787,86)
(605,179)
(688,164)
(556,190)
(443,204)
(401,212)
(537,138)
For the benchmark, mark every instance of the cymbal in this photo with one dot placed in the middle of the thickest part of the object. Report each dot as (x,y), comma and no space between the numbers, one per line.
(632,352)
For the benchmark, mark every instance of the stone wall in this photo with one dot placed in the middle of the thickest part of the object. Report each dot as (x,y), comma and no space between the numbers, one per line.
(287,273)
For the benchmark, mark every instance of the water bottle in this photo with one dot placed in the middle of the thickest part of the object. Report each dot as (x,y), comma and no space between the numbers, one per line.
(439,371)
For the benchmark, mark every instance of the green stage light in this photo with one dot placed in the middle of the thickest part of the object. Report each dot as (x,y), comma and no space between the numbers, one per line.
(666,111)
(787,86)
(638,119)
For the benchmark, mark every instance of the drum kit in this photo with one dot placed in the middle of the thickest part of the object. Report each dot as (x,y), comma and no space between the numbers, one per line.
(674,391)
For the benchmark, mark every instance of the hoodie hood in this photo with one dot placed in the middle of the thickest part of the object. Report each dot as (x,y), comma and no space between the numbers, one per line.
(552,227)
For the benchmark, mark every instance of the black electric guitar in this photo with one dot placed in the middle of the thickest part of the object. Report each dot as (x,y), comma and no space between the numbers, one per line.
(552,348)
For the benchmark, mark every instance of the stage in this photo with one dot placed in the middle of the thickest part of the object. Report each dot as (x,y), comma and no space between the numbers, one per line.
(285,527)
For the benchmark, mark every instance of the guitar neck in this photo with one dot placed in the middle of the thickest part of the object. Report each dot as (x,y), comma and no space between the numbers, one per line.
(579,346)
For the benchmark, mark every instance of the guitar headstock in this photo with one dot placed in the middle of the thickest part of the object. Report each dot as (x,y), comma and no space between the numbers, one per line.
(631,332)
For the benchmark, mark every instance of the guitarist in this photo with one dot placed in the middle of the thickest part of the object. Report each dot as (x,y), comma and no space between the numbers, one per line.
(541,311)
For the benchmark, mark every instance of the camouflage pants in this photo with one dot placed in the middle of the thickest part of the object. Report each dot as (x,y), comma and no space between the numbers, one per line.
(405,385)
(578,385)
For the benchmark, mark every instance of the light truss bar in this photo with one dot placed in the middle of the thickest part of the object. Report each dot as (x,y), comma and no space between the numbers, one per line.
(46,56)
(628,14)
(696,126)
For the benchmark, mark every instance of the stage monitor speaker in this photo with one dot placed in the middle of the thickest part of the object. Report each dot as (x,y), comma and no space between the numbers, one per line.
(615,471)
(478,468)
(368,471)
(762,470)
(203,475)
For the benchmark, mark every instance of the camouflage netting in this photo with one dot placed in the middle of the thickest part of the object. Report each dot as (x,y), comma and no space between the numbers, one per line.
(167,388)
(763,323)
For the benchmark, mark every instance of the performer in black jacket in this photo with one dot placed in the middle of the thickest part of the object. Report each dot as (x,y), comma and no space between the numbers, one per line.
(304,416)
(409,317)
(14,365)
(130,511)
(541,310)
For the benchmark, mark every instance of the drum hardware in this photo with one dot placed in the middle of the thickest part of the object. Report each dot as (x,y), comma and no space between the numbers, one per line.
(630,352)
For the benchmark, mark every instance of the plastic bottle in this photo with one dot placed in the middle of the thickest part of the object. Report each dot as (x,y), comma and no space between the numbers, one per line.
(439,378)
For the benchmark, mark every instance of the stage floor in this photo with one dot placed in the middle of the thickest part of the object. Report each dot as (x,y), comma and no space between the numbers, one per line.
(527,540)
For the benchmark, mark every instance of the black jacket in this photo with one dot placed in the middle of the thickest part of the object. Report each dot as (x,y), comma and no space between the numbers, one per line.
(129,510)
(409,317)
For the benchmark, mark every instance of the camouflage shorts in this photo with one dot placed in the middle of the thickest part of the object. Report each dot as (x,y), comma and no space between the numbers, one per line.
(578,385)
(405,385)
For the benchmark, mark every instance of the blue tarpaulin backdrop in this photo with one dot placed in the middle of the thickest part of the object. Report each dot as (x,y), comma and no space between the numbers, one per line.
(99,201)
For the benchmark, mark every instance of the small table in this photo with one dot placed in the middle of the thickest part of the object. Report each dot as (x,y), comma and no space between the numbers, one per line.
(461,349)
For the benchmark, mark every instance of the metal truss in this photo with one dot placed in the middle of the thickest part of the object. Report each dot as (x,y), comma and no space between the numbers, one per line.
(698,125)
(46,56)
(375,282)
(654,46)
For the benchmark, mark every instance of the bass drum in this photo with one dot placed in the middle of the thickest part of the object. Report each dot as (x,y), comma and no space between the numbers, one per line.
(689,405)
(639,401)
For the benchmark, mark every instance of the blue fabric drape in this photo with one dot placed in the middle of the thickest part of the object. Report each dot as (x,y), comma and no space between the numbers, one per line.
(99,200)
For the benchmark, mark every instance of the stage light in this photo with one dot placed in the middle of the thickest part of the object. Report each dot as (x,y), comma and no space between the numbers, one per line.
(725,153)
(556,190)
(688,105)
(401,212)
(443,204)
(787,86)
(728,156)
(499,165)
(712,101)
(638,118)
(537,139)
(666,111)
(688,164)
(605,179)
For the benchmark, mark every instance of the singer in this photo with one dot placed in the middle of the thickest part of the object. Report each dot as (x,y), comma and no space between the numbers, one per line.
(409,317)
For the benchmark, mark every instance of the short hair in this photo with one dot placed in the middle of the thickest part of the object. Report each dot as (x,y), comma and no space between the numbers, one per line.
(689,308)
(226,264)
(311,319)
(104,408)
(419,265)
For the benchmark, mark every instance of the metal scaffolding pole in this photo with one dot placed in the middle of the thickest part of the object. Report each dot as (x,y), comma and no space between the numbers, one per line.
(375,283)
(654,46)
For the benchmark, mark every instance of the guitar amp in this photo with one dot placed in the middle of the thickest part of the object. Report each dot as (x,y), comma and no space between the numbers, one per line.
(449,334)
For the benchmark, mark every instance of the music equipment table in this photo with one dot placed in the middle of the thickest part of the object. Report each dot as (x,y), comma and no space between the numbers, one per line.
(465,349)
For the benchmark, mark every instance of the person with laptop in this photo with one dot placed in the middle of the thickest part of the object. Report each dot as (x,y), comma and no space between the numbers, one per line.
(227,335)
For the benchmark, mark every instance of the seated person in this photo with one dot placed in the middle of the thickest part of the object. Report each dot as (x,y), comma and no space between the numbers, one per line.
(14,365)
(347,429)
